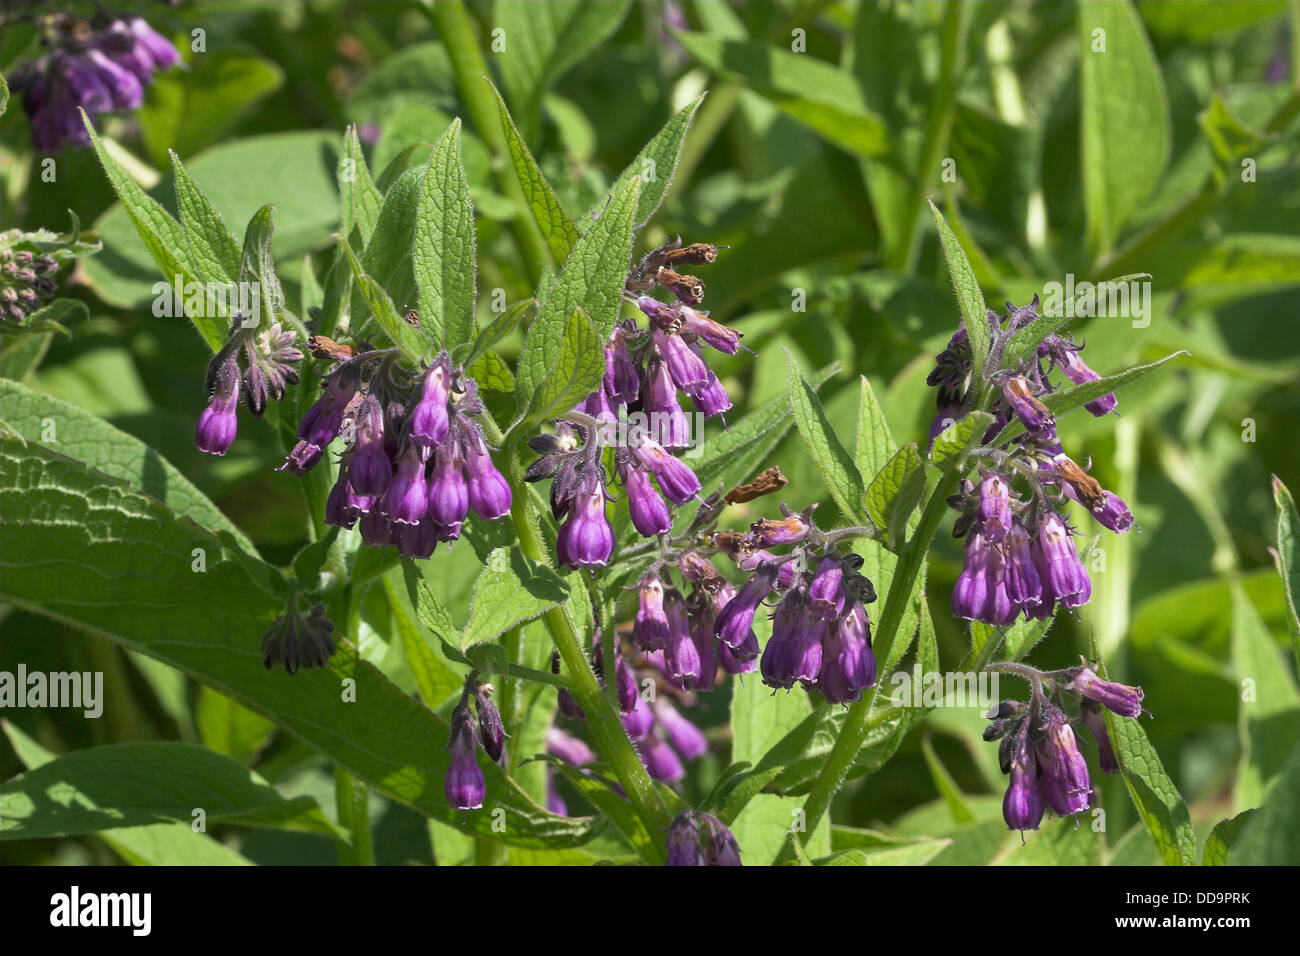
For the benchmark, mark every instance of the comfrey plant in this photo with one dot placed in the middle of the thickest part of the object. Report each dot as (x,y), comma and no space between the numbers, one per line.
(100,66)
(1039,749)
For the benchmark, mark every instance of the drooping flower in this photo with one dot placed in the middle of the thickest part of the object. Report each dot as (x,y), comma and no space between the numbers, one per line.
(696,838)
(297,641)
(464,785)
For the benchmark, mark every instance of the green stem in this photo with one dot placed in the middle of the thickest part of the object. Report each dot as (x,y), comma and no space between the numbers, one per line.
(603,718)
(456,29)
(858,723)
(352,798)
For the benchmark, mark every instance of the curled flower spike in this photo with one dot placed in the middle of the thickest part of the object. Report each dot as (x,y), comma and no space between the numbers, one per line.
(697,839)
(296,641)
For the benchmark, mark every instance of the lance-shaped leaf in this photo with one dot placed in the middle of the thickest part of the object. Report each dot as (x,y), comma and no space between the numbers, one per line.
(593,278)
(509,591)
(1268,837)
(213,249)
(833,461)
(359,198)
(443,249)
(97,555)
(162,235)
(496,330)
(1288,557)
(958,438)
(577,373)
(257,267)
(413,343)
(894,494)
(970,300)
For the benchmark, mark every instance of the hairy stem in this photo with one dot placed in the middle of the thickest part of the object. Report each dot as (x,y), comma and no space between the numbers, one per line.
(352,798)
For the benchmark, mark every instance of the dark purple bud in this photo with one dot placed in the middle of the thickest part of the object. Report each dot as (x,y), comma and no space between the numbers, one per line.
(371,470)
(489,492)
(464,785)
(218,422)
(1022,805)
(681,657)
(407,498)
(848,665)
(625,684)
(430,421)
(736,619)
(1119,698)
(649,513)
(491,731)
(1095,721)
(794,652)
(322,421)
(650,628)
(687,739)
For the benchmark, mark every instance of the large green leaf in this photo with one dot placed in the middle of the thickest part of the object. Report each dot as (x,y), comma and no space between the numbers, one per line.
(578,370)
(894,493)
(969,298)
(97,555)
(1269,836)
(1154,795)
(443,249)
(1124,118)
(215,252)
(836,465)
(359,198)
(508,592)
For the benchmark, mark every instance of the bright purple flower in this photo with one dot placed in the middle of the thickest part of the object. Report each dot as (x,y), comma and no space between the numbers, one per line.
(681,657)
(430,422)
(622,383)
(448,492)
(489,492)
(464,785)
(407,498)
(650,628)
(1078,372)
(676,480)
(416,540)
(848,665)
(568,748)
(371,471)
(1024,587)
(769,532)
(1022,805)
(794,652)
(1119,698)
(640,720)
(735,621)
(1064,784)
(994,508)
(712,333)
(218,423)
(661,762)
(667,422)
(684,363)
(981,590)
(649,513)
(710,396)
(826,592)
(586,538)
(687,739)
(1033,413)
(1114,514)
(1063,575)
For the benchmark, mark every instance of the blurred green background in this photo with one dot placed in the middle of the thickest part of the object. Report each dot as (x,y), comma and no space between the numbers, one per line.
(826,126)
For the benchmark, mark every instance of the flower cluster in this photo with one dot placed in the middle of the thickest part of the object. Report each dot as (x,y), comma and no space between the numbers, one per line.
(646,372)
(26,283)
(1039,750)
(416,460)
(297,640)
(94,68)
(696,838)
(1020,550)
(267,368)
(464,785)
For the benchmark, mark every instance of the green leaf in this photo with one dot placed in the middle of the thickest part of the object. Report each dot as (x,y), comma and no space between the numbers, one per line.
(413,343)
(1154,795)
(99,556)
(600,791)
(655,165)
(435,679)
(875,442)
(969,298)
(1269,712)
(593,278)
(162,235)
(947,786)
(1268,837)
(257,265)
(88,438)
(230,728)
(1124,118)
(443,250)
(213,249)
(544,41)
(837,467)
(509,591)
(359,198)
(85,791)
(894,494)
(558,230)
(958,438)
(578,370)
(1288,557)
(496,330)
(818,94)
(1224,837)
(387,257)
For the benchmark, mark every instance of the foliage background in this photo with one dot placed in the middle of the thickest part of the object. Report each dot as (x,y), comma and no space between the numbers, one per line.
(809,167)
